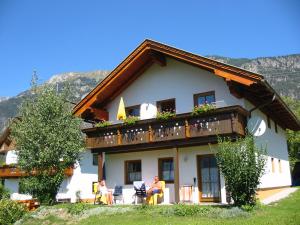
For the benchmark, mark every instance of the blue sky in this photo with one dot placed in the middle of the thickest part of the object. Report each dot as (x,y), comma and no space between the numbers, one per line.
(55,36)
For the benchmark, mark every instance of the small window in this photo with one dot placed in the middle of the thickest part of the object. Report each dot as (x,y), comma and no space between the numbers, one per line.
(133,110)
(95,159)
(279,166)
(204,98)
(273,165)
(276,130)
(166,105)
(133,171)
(269,122)
(166,170)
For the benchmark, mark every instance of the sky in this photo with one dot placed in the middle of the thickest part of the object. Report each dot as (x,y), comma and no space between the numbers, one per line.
(57,36)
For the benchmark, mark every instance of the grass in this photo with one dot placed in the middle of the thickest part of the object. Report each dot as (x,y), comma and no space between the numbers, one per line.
(283,212)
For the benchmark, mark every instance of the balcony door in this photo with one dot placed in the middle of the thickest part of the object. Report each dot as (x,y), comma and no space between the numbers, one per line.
(208,179)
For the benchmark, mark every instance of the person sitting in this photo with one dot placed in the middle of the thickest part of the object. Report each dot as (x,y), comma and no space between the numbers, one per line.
(155,187)
(104,190)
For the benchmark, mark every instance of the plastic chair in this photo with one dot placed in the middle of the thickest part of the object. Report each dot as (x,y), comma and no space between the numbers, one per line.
(118,194)
(99,197)
(140,191)
(153,199)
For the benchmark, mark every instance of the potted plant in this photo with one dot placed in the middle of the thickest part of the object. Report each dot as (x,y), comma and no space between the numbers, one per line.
(103,124)
(165,115)
(198,110)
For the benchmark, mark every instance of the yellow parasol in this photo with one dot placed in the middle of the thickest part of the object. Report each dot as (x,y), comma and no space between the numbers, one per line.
(121,115)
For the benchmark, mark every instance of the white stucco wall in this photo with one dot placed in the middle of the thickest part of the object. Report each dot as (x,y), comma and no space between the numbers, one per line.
(176,80)
(187,165)
(276,146)
(13,186)
(11,157)
(84,175)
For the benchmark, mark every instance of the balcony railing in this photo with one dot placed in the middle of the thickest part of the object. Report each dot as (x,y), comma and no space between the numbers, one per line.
(222,121)
(14,172)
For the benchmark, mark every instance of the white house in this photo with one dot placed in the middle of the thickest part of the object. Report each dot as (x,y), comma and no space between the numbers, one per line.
(79,178)
(155,78)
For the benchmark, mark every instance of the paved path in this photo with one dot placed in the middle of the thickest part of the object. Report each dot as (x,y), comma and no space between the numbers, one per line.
(278,196)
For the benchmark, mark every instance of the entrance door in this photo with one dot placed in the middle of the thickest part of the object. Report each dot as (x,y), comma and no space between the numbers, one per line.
(208,179)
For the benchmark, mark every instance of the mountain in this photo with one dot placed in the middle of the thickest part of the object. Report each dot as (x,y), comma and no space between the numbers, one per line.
(81,83)
(3,98)
(282,72)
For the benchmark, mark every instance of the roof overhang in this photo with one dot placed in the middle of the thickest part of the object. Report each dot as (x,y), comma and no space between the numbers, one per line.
(241,82)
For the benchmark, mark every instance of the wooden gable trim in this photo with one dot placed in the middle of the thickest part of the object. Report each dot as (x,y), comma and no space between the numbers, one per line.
(153,52)
(156,51)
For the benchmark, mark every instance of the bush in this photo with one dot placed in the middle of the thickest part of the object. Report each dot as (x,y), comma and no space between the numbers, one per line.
(4,192)
(242,165)
(77,208)
(11,211)
(198,110)
(184,210)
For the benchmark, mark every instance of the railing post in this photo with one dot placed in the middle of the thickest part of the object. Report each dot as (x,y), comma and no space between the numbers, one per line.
(187,129)
(150,134)
(119,137)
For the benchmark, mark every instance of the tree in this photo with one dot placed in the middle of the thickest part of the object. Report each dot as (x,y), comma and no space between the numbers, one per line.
(242,165)
(293,136)
(48,139)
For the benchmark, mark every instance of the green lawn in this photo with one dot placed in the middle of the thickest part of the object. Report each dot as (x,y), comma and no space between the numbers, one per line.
(286,211)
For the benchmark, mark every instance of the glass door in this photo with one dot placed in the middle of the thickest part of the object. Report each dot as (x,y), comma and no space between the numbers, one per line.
(208,179)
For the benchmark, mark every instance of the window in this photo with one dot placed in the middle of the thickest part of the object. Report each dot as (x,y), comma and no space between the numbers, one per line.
(204,98)
(269,122)
(133,171)
(276,130)
(95,159)
(166,105)
(279,166)
(133,110)
(166,170)
(272,164)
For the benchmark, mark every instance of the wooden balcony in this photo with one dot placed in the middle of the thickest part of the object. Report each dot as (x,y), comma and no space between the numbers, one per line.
(184,129)
(15,172)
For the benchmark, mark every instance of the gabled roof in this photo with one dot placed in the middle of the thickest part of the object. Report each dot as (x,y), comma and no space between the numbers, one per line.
(5,139)
(242,83)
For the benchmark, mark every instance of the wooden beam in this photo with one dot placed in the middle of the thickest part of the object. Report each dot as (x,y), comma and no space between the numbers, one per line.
(158,58)
(231,76)
(233,89)
(99,114)
(100,166)
(176,175)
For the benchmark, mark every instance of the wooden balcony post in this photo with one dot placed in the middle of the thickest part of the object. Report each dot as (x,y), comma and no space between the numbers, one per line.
(100,166)
(187,129)
(150,134)
(176,174)
(119,137)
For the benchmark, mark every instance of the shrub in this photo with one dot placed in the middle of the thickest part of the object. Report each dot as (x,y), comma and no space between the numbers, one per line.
(198,110)
(4,192)
(77,208)
(184,210)
(166,115)
(131,120)
(242,165)
(11,211)
(103,124)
